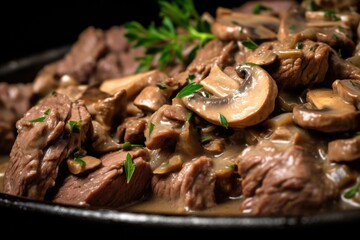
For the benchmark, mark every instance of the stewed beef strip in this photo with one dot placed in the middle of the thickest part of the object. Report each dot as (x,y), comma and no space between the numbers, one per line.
(107,186)
(282,182)
(45,138)
(191,188)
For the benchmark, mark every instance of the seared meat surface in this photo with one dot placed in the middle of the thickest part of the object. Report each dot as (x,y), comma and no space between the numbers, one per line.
(256,107)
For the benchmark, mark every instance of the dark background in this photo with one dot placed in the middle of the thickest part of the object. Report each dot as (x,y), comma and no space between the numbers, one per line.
(31,28)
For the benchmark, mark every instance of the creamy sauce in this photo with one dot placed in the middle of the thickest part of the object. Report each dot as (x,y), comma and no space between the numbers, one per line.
(161,206)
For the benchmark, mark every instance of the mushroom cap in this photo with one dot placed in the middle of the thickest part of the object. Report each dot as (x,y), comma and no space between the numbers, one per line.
(349,90)
(326,112)
(344,149)
(248,105)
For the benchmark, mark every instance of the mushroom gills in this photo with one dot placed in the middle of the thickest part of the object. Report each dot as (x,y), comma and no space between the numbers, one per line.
(247,105)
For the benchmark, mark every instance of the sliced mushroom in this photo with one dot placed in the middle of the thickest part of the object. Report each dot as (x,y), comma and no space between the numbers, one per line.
(344,150)
(248,105)
(219,83)
(133,84)
(349,90)
(326,112)
(80,165)
(231,25)
(173,164)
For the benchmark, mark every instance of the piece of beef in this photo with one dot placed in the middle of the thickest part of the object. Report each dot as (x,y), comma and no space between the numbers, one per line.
(7,130)
(15,100)
(16,97)
(81,61)
(282,182)
(166,127)
(111,110)
(101,141)
(298,68)
(192,188)
(45,138)
(132,130)
(107,185)
(214,52)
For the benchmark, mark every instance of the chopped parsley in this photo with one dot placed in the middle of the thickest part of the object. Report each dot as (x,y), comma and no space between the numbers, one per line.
(299,45)
(47,111)
(162,86)
(36,120)
(223,121)
(258,8)
(190,77)
(250,44)
(189,116)
(129,167)
(232,166)
(79,161)
(127,146)
(293,27)
(331,14)
(151,128)
(75,126)
(313,6)
(351,192)
(189,89)
(41,119)
(205,94)
(206,139)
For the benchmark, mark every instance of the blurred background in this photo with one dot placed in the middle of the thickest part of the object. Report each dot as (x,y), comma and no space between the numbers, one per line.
(27,28)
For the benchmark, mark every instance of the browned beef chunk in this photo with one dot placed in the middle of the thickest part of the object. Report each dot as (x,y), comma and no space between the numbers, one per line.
(285,182)
(44,140)
(16,97)
(297,68)
(214,52)
(132,130)
(191,188)
(15,100)
(81,61)
(107,185)
(166,126)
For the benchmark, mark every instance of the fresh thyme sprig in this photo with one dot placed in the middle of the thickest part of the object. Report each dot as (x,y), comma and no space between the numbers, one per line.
(164,40)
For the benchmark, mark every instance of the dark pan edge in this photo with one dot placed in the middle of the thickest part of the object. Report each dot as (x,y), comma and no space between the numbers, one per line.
(106,216)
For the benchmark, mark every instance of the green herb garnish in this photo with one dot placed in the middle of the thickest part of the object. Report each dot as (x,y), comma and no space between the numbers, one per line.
(129,167)
(190,78)
(258,8)
(75,126)
(36,120)
(163,40)
(189,89)
(41,119)
(151,128)
(351,192)
(47,111)
(293,27)
(251,64)
(205,94)
(162,86)
(223,121)
(189,116)
(313,6)
(299,45)
(80,161)
(331,14)
(128,145)
(232,166)
(250,44)
(206,139)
